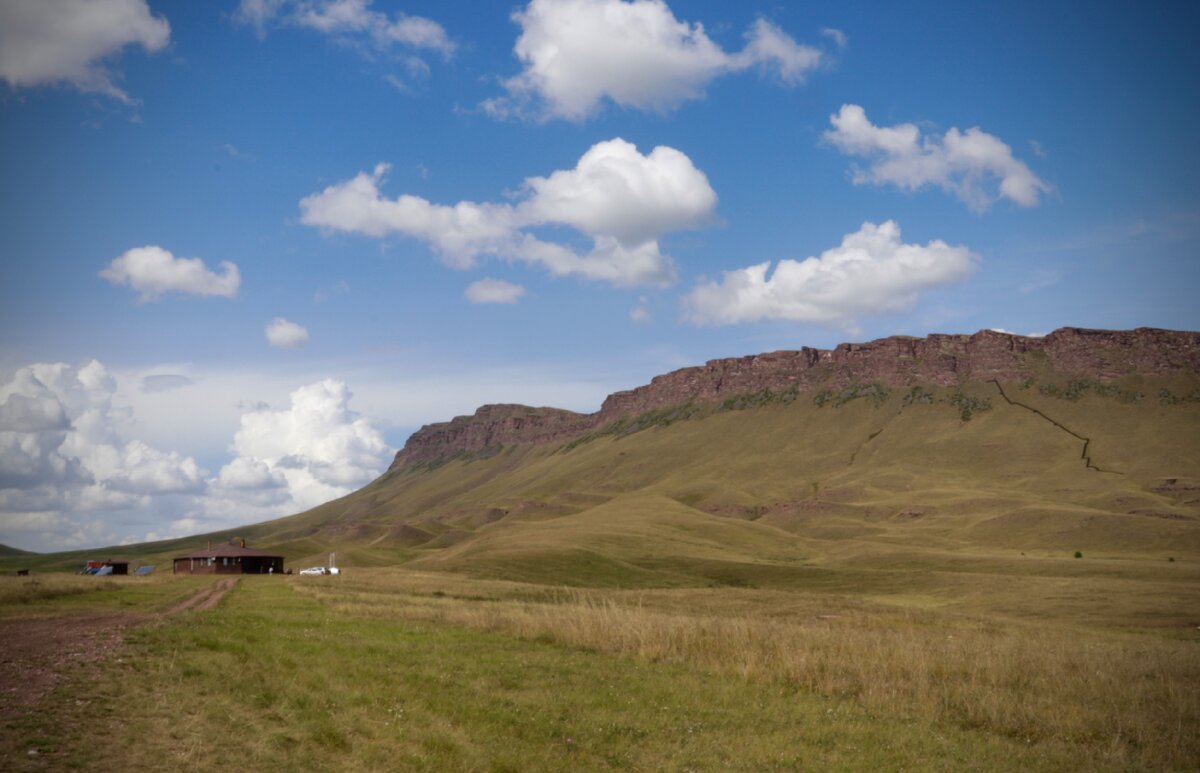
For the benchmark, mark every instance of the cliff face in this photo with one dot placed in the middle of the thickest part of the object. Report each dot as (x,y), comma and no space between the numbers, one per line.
(942,360)
(491,426)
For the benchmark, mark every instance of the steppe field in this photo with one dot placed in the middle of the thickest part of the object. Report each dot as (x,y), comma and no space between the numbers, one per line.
(1048,663)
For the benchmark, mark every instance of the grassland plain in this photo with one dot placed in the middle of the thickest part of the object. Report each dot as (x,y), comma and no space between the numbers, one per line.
(56,595)
(396,670)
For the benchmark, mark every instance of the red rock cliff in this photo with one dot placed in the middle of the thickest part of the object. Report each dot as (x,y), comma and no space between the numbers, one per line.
(943,360)
(491,426)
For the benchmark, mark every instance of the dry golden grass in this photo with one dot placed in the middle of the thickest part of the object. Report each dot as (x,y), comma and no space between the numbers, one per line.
(1120,698)
(56,594)
(24,590)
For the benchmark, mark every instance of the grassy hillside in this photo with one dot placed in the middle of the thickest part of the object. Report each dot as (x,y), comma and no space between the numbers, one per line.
(704,494)
(7,552)
(807,476)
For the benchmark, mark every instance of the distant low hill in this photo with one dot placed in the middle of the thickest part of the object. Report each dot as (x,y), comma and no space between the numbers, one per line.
(7,552)
(902,452)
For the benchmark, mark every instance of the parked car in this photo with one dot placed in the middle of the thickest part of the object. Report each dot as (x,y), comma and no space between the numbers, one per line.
(321,570)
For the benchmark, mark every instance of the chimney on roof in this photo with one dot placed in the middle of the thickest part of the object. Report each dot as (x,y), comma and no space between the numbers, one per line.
(243,542)
(210,544)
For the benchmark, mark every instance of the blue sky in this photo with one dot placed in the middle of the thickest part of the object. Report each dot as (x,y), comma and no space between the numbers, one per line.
(627,169)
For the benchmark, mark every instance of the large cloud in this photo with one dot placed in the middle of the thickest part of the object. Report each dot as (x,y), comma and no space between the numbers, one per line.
(318,446)
(56,41)
(623,200)
(577,53)
(870,272)
(962,163)
(73,475)
(63,457)
(153,271)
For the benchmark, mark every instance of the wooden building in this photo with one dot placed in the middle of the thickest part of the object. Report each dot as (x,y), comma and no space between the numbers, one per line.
(231,557)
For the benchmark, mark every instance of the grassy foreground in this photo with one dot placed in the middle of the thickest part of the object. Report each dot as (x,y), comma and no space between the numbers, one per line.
(392,669)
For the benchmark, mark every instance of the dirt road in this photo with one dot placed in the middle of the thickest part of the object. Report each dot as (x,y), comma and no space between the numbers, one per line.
(35,653)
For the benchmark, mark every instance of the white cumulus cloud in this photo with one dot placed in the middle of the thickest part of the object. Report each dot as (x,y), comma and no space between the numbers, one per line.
(964,163)
(64,456)
(286,334)
(153,271)
(315,450)
(872,271)
(623,200)
(617,191)
(577,53)
(67,41)
(494,291)
(74,473)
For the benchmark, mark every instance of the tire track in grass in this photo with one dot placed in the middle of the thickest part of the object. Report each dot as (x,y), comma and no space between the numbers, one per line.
(36,653)
(205,599)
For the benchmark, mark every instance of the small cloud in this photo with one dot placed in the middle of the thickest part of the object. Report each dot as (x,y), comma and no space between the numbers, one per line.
(165,382)
(351,21)
(837,36)
(1037,149)
(398,84)
(640,314)
(1041,279)
(153,271)
(417,67)
(234,152)
(1011,333)
(323,294)
(962,163)
(257,14)
(494,291)
(286,334)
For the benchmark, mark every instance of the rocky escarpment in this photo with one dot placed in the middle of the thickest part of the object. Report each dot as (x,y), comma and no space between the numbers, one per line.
(943,360)
(492,426)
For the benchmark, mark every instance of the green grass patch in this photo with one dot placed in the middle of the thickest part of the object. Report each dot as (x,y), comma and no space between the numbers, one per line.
(274,679)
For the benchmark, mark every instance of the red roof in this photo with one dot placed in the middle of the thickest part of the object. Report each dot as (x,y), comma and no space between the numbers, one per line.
(229,549)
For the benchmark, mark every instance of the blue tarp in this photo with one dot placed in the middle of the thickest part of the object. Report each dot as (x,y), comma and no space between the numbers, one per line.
(144,570)
(103,571)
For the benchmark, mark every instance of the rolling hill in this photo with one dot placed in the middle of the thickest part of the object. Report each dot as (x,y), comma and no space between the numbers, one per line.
(7,552)
(906,452)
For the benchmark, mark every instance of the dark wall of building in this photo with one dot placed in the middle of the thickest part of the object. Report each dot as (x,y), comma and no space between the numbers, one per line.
(193,566)
(241,565)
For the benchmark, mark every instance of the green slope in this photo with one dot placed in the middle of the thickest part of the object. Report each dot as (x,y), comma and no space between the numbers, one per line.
(788,481)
